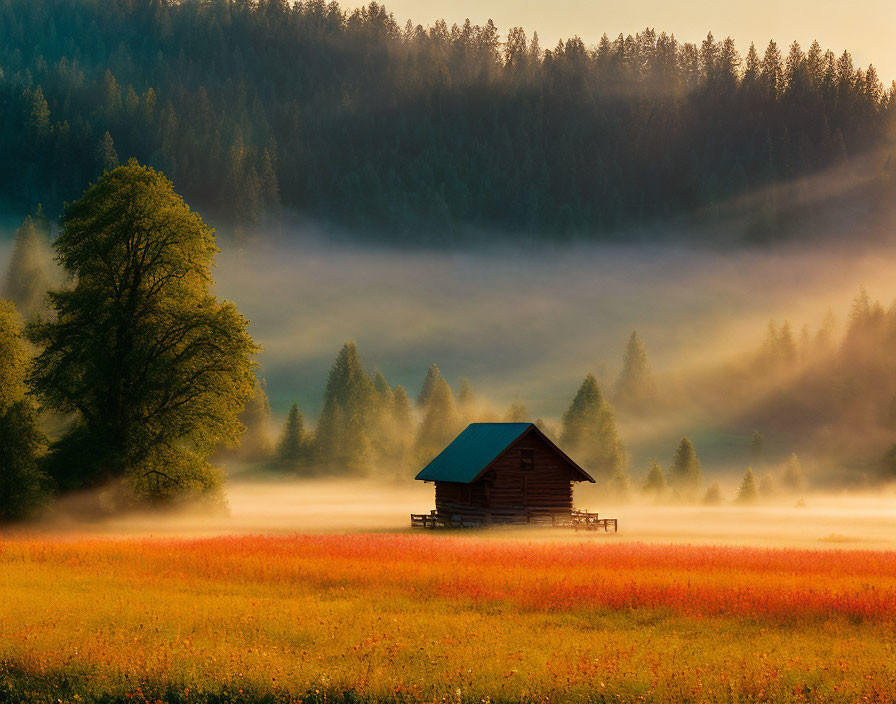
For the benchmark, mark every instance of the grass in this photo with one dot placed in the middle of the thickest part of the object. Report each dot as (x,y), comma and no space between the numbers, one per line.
(441,618)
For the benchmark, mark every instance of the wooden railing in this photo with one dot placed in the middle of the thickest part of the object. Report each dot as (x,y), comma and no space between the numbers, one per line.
(533,516)
(590,521)
(429,520)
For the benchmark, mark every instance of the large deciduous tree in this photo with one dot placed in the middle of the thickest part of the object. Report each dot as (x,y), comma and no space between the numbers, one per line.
(153,368)
(22,485)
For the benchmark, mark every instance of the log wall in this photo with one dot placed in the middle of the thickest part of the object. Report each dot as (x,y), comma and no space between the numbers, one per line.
(514,487)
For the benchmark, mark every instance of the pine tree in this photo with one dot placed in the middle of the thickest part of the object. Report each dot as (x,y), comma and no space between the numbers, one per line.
(862,317)
(752,68)
(383,390)
(465,395)
(756,445)
(547,428)
(349,409)
(635,386)
(440,424)
(389,435)
(747,494)
(766,485)
(433,375)
(401,431)
(291,447)
(23,487)
(42,225)
(771,74)
(270,185)
(713,496)
(517,413)
(824,338)
(685,475)
(805,345)
(582,413)
(106,154)
(621,484)
(255,443)
(38,113)
(401,408)
(360,455)
(787,344)
(779,348)
(26,281)
(589,431)
(793,478)
(656,481)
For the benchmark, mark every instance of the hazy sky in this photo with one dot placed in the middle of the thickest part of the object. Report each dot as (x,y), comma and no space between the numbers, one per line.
(865,28)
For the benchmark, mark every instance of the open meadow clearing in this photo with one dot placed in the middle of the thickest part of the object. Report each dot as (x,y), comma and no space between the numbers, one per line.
(447,617)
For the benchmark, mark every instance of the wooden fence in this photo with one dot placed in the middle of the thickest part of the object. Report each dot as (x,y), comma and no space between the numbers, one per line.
(583,520)
(464,518)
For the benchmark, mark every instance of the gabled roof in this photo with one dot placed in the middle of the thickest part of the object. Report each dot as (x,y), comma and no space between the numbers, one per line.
(477,447)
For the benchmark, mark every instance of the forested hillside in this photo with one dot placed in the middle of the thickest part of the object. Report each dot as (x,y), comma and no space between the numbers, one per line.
(351,118)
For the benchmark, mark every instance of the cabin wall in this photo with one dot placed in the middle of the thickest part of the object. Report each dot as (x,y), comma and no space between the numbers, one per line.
(547,485)
(451,496)
(509,490)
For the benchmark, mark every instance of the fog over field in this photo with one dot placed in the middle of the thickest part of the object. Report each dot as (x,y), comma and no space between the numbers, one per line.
(841,520)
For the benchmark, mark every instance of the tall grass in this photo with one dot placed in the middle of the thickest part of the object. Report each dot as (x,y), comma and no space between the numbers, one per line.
(437,618)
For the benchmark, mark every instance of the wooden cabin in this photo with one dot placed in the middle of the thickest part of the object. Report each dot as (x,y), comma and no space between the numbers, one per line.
(501,473)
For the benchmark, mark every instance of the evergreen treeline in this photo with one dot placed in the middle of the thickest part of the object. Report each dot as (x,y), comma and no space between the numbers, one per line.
(368,427)
(421,132)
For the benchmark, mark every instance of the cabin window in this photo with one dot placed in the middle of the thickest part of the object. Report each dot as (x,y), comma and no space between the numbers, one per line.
(527,460)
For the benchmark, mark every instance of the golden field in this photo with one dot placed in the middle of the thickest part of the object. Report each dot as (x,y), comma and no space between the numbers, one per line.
(447,617)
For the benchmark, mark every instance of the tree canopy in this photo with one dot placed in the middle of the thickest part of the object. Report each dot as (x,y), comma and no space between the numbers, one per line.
(22,484)
(152,367)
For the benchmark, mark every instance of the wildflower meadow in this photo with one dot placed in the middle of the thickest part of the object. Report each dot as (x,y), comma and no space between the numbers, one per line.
(418,618)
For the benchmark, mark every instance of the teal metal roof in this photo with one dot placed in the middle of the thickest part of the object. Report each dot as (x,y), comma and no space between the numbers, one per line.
(472,451)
